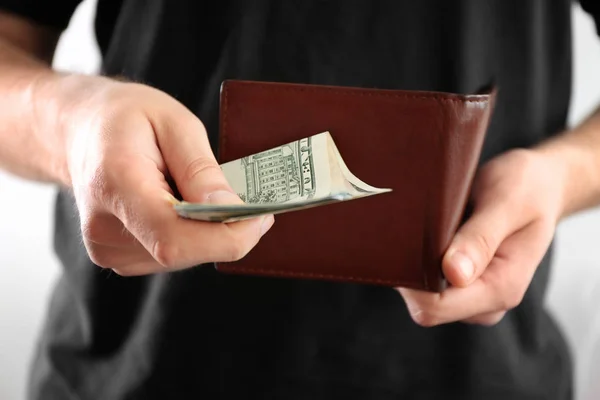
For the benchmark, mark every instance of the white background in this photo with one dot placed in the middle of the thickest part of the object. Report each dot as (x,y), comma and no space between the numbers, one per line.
(28,266)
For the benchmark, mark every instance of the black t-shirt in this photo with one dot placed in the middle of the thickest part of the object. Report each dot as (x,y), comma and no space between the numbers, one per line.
(200,334)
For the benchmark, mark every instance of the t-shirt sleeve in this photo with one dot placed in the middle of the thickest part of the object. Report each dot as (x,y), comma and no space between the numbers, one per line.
(52,13)
(592,7)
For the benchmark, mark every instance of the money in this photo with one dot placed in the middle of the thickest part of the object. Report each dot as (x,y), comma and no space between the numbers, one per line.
(306,173)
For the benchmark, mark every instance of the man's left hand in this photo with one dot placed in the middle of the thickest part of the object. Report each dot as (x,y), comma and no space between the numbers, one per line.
(517,202)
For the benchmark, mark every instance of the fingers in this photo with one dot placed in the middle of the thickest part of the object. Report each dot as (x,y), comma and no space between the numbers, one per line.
(146,211)
(476,243)
(164,242)
(110,245)
(488,319)
(104,229)
(126,261)
(180,243)
(138,198)
(500,288)
(454,304)
(186,150)
(123,170)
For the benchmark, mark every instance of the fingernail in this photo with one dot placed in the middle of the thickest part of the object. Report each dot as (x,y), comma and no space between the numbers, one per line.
(464,264)
(267,224)
(222,197)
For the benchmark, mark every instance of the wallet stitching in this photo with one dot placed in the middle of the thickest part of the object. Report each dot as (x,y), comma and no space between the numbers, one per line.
(315,275)
(437,97)
(351,92)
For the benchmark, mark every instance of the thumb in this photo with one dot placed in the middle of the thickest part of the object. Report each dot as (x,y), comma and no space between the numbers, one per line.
(475,244)
(189,158)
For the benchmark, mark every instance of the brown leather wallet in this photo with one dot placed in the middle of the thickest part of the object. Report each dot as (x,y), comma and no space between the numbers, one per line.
(423,145)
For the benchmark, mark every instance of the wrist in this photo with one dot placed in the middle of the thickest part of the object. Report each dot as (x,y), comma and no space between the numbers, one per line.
(47,102)
(62,104)
(574,168)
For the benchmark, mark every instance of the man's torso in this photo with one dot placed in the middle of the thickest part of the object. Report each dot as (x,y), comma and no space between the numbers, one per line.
(199,332)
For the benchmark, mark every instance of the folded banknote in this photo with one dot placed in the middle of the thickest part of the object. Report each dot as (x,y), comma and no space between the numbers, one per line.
(307,173)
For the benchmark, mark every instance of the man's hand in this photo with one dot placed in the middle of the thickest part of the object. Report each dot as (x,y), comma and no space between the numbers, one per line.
(517,201)
(117,145)
(125,142)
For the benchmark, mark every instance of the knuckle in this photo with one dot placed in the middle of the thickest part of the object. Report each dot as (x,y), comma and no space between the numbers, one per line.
(126,272)
(513,299)
(199,166)
(118,107)
(93,230)
(103,181)
(98,182)
(423,307)
(186,120)
(511,296)
(166,253)
(423,314)
(494,319)
(484,245)
(236,249)
(140,268)
(506,290)
(424,319)
(99,256)
(488,319)
(236,245)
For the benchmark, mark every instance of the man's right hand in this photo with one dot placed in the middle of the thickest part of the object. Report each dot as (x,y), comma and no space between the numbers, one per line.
(125,143)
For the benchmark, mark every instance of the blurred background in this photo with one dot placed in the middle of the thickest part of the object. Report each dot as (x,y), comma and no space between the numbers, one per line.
(29,268)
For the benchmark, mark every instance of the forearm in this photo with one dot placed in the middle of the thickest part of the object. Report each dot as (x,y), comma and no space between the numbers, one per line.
(576,155)
(30,146)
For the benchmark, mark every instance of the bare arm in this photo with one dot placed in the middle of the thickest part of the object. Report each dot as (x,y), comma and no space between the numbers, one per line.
(578,151)
(114,144)
(27,149)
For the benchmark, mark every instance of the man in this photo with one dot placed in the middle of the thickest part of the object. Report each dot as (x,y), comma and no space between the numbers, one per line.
(164,325)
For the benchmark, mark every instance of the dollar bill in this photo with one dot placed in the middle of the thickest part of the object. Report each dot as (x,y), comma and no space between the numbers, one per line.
(306,173)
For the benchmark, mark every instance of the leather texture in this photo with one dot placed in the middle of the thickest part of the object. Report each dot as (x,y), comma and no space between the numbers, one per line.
(424,145)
